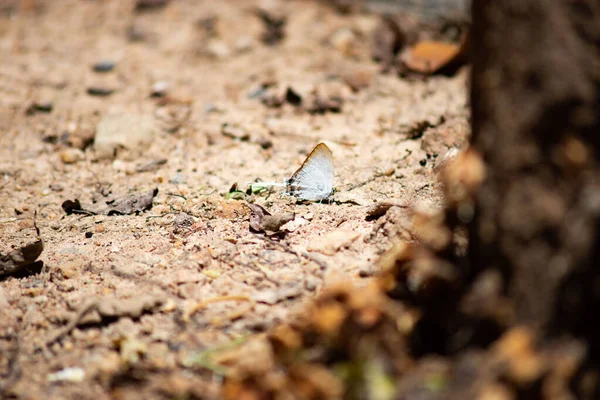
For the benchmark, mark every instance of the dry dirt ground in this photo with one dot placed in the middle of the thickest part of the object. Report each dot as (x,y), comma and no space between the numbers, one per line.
(168,284)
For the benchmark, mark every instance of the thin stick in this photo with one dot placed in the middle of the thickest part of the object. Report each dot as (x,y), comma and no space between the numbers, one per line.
(259,268)
(230,317)
(256,267)
(73,323)
(371,179)
(315,139)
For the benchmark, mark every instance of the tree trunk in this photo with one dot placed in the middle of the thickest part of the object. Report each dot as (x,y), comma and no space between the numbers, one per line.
(536,122)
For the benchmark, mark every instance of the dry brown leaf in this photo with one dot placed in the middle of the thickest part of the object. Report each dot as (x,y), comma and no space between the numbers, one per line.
(381,207)
(428,57)
(262,221)
(18,259)
(133,203)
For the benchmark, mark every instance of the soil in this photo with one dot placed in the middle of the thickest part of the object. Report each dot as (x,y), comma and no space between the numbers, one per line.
(188,275)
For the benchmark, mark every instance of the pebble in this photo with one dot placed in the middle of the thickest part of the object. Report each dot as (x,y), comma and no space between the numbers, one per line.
(103,66)
(344,41)
(169,306)
(257,92)
(211,108)
(358,79)
(40,106)
(146,5)
(264,143)
(235,131)
(178,179)
(310,284)
(69,270)
(73,374)
(211,273)
(100,91)
(32,292)
(159,89)
(81,138)
(275,296)
(131,131)
(218,49)
(136,33)
(121,166)
(71,156)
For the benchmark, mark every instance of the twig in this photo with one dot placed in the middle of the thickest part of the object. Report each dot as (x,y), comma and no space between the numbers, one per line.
(176,195)
(162,215)
(83,213)
(371,179)
(408,153)
(232,316)
(208,193)
(361,184)
(73,323)
(256,267)
(37,230)
(315,138)
(422,187)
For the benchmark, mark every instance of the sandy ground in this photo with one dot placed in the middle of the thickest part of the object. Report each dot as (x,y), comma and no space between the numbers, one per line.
(194,275)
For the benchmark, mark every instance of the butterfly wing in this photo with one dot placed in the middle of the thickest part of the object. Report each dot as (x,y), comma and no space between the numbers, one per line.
(314,179)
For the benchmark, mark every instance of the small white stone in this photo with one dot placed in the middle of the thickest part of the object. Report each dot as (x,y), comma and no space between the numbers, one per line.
(160,88)
(72,374)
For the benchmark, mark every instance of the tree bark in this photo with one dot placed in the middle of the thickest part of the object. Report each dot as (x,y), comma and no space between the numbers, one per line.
(535,95)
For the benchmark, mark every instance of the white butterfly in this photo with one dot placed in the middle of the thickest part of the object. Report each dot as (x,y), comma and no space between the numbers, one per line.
(313,180)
